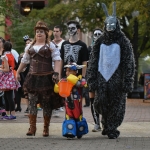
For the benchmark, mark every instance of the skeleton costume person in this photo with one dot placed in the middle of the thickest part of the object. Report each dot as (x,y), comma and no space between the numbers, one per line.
(74,50)
(111,74)
(39,81)
(96,34)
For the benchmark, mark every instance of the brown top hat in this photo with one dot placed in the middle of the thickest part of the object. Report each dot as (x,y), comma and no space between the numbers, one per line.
(41,25)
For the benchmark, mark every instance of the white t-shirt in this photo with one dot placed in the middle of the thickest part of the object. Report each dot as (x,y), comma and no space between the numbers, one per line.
(15,54)
(59,44)
(59,47)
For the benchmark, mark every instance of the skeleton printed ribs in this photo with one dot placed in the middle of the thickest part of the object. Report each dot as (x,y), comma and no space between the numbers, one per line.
(71,52)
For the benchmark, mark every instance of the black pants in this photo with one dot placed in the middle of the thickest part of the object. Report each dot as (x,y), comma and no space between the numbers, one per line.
(85,94)
(18,98)
(1,102)
(95,115)
(9,101)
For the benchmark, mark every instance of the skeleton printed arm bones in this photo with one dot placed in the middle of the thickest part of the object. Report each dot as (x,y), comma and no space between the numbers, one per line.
(92,69)
(128,65)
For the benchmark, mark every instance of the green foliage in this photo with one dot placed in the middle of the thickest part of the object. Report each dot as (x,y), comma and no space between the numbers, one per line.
(90,14)
(7,8)
(126,8)
(25,25)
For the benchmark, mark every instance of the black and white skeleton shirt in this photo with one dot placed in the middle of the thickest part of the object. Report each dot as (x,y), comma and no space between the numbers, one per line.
(74,52)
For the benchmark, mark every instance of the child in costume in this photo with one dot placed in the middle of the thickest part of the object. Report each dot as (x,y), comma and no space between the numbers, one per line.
(74,123)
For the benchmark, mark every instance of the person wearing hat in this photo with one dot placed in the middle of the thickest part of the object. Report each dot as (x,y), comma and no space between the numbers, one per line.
(27,39)
(23,74)
(73,104)
(19,93)
(39,82)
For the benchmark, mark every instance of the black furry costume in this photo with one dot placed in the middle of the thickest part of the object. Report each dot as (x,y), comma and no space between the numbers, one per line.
(110,100)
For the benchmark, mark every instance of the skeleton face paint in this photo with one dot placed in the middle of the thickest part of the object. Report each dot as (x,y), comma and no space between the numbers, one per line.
(97,34)
(110,23)
(72,29)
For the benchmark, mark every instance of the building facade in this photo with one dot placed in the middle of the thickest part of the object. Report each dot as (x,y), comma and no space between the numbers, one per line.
(25,6)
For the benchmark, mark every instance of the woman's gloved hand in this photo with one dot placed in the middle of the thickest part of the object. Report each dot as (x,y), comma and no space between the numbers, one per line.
(55,77)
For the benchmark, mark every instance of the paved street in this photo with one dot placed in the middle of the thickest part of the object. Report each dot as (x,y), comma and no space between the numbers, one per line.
(135,132)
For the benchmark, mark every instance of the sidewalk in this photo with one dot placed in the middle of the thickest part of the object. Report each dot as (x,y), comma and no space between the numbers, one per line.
(135,131)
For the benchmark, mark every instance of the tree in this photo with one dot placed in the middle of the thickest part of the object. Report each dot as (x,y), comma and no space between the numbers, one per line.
(139,30)
(24,25)
(90,15)
(7,8)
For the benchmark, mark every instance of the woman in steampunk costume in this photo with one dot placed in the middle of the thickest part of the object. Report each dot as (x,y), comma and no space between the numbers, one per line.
(39,82)
(111,74)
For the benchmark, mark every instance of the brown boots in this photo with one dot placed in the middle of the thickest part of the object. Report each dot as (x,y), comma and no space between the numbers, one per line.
(32,129)
(46,126)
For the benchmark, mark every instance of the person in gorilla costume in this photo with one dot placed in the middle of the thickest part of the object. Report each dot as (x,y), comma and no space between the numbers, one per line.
(111,74)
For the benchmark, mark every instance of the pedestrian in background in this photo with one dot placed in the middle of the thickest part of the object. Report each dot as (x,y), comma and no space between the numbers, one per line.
(23,74)
(8,82)
(58,40)
(96,34)
(2,106)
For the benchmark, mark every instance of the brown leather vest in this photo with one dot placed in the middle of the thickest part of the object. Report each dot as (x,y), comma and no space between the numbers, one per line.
(41,62)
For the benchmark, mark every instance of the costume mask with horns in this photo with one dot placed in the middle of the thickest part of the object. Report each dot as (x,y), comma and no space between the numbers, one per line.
(110,21)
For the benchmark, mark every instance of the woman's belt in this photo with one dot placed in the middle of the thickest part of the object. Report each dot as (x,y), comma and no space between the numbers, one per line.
(41,73)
